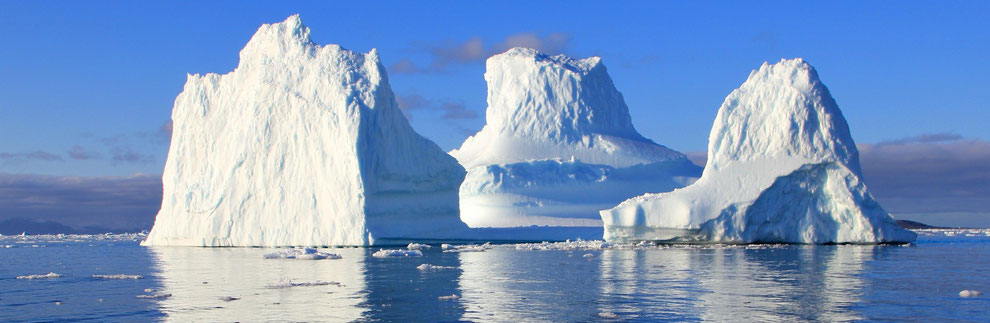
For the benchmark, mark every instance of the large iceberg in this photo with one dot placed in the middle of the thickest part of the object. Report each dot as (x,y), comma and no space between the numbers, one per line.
(782,167)
(558,146)
(301,144)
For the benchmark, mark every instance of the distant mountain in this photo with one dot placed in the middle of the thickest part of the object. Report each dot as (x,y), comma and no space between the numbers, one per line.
(908,224)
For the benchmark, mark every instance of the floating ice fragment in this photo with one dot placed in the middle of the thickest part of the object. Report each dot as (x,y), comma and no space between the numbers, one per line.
(429,267)
(469,248)
(418,246)
(155,295)
(388,253)
(118,276)
(286,283)
(608,315)
(588,255)
(452,297)
(48,275)
(447,247)
(970,293)
(301,254)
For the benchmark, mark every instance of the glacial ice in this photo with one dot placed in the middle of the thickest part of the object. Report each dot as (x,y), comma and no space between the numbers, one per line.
(300,145)
(782,167)
(558,146)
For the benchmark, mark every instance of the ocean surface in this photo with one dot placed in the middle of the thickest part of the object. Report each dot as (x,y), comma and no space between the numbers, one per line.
(561,282)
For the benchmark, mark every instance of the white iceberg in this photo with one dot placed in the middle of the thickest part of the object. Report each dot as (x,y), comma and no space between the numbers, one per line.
(300,145)
(558,145)
(782,167)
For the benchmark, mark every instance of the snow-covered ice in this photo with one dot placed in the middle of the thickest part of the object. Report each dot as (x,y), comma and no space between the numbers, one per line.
(45,276)
(391,253)
(558,145)
(228,298)
(468,248)
(301,254)
(300,145)
(782,167)
(418,246)
(118,276)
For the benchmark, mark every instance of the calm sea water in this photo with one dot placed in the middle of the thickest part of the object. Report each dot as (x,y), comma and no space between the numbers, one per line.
(568,282)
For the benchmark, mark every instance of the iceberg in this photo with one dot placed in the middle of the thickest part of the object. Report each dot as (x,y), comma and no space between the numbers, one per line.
(300,145)
(558,145)
(782,167)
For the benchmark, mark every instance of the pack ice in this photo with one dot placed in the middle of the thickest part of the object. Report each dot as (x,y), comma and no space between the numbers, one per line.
(782,167)
(558,145)
(301,144)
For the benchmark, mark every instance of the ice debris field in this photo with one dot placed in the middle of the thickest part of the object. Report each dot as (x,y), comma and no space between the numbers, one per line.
(304,145)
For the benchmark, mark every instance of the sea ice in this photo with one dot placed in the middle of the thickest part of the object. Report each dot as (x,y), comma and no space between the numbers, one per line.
(429,267)
(301,144)
(118,276)
(558,145)
(390,253)
(45,276)
(970,293)
(418,246)
(287,283)
(782,167)
(301,254)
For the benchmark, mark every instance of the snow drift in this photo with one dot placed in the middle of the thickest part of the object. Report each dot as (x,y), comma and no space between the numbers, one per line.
(782,167)
(558,146)
(301,144)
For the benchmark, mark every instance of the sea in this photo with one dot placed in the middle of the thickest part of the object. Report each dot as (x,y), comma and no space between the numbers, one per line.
(108,278)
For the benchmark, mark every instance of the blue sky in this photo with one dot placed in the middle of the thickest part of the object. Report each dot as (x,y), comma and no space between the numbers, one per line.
(87,87)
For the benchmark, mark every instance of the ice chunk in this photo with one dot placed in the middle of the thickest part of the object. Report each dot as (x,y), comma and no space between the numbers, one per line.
(970,293)
(118,276)
(156,295)
(782,167)
(449,298)
(469,248)
(418,246)
(608,315)
(301,254)
(389,253)
(301,144)
(429,267)
(558,145)
(45,276)
(287,283)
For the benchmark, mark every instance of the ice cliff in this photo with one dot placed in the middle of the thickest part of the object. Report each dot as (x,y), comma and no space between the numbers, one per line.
(558,145)
(782,167)
(301,144)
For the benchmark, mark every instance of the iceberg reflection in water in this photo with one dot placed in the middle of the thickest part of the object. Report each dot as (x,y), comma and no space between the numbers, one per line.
(578,281)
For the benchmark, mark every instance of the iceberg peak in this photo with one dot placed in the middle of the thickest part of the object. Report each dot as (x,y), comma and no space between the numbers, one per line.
(782,110)
(544,107)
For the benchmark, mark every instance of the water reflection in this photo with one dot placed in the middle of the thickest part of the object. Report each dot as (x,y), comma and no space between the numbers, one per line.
(198,277)
(816,283)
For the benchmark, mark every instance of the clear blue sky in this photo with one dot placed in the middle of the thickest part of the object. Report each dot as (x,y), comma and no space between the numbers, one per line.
(86,87)
(103,75)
